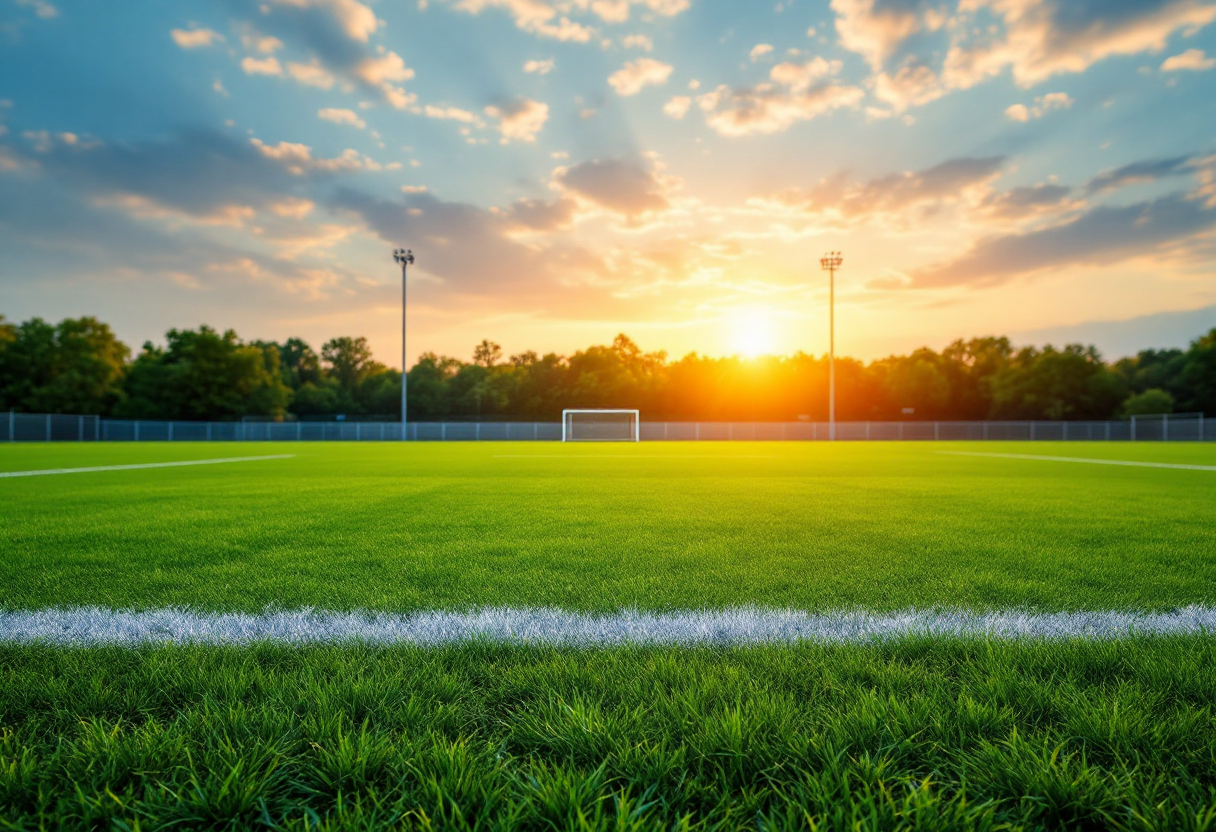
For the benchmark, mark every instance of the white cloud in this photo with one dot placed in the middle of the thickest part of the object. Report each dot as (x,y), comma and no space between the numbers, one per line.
(677,107)
(297,159)
(637,42)
(759,51)
(540,67)
(634,75)
(41,8)
(534,16)
(340,116)
(519,120)
(798,92)
(262,66)
(1042,104)
(195,38)
(1192,59)
(452,114)
(311,74)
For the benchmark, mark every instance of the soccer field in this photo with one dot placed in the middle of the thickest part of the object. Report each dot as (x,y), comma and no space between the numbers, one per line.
(659,526)
(917,729)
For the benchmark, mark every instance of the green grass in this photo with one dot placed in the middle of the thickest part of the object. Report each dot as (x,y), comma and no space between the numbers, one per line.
(915,734)
(879,526)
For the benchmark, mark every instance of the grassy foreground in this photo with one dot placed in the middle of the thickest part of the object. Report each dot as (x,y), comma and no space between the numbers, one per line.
(658,526)
(915,734)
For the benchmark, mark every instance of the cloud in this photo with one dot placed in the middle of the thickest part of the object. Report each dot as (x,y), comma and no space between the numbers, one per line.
(1028,201)
(540,67)
(262,66)
(838,200)
(1192,59)
(195,38)
(800,92)
(759,51)
(1042,38)
(903,40)
(41,8)
(642,42)
(297,159)
(534,16)
(472,250)
(340,116)
(541,215)
(875,29)
(451,114)
(1139,173)
(520,119)
(336,35)
(1042,104)
(629,187)
(678,106)
(311,74)
(634,75)
(1102,236)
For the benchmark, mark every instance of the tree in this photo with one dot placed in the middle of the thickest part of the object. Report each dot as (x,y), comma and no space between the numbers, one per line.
(1149,402)
(76,366)
(1197,376)
(1071,383)
(350,360)
(487,353)
(205,375)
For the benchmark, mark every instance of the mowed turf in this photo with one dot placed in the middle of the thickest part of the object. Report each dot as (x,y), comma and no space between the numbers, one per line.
(910,733)
(655,526)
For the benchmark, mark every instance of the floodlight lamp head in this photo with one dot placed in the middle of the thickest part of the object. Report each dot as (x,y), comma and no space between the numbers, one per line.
(831,261)
(403,256)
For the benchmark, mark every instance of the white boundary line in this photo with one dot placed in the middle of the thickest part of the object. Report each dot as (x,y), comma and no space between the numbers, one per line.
(1084,459)
(93,626)
(49,471)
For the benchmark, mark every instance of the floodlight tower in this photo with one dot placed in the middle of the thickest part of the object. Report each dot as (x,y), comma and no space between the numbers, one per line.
(830,263)
(406,258)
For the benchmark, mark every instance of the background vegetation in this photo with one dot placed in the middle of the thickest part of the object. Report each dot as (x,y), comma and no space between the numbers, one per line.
(79,366)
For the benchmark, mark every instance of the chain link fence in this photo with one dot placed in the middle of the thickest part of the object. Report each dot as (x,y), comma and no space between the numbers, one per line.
(33,427)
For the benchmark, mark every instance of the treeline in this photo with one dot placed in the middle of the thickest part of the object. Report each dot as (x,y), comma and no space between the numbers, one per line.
(79,366)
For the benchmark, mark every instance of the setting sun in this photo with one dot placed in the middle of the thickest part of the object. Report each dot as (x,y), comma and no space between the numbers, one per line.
(753,334)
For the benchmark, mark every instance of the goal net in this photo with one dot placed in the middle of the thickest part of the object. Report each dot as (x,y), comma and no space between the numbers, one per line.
(600,426)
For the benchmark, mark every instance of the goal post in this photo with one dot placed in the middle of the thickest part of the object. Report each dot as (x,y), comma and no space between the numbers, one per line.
(602,425)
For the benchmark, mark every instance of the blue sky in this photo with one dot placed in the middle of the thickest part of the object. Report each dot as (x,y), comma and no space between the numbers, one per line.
(569,169)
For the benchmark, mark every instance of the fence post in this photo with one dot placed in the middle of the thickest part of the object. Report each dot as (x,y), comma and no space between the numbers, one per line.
(1133,428)
(48,427)
(1108,431)
(79,428)
(867,431)
(299,431)
(443,431)
(936,431)
(697,430)
(1032,434)
(97,430)
(1165,428)
(1066,431)
(477,431)
(12,427)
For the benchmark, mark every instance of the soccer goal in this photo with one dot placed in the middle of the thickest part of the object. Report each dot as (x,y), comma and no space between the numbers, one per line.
(601,426)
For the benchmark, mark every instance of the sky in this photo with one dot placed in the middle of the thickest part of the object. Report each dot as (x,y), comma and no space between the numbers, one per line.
(565,170)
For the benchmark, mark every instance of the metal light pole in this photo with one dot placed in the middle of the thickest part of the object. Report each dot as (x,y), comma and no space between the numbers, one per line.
(830,263)
(406,258)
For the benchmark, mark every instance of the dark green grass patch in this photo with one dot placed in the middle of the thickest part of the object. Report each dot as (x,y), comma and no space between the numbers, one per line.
(914,734)
(657,526)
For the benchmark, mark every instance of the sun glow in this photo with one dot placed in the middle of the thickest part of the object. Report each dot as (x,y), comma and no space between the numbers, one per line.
(754,333)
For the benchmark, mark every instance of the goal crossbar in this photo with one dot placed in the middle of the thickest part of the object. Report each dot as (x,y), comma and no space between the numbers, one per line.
(601,425)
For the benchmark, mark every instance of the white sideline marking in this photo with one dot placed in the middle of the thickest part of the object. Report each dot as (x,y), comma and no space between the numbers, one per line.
(1084,459)
(94,626)
(48,471)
